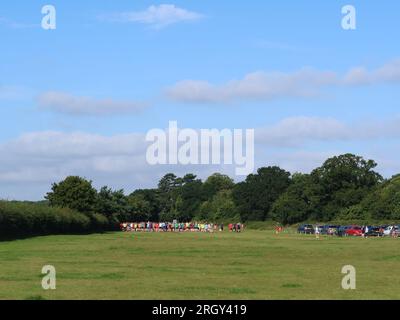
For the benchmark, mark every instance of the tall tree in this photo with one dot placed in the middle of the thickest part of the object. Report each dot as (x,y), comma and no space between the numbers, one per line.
(188,198)
(109,202)
(254,197)
(75,193)
(298,203)
(152,197)
(215,183)
(383,202)
(140,208)
(344,181)
(166,187)
(220,208)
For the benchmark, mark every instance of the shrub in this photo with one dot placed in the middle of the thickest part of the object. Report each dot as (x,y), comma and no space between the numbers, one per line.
(22,219)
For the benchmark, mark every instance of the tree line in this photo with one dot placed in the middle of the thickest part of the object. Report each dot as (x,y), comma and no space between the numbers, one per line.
(345,187)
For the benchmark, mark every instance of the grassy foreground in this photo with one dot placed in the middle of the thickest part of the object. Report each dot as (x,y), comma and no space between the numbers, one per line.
(251,265)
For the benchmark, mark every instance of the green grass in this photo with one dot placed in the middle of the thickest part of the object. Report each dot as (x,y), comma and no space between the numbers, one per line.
(250,265)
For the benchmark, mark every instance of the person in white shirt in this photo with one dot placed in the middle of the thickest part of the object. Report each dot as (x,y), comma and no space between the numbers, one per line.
(317,232)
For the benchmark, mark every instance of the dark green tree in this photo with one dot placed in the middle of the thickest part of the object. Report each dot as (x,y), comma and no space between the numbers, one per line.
(216,183)
(188,198)
(383,203)
(152,197)
(298,203)
(343,181)
(109,202)
(166,190)
(254,197)
(220,208)
(75,193)
(139,208)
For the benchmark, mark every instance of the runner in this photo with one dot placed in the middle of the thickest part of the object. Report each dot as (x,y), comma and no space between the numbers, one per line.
(317,232)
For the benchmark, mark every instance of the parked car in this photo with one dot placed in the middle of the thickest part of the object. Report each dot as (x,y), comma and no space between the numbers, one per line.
(328,229)
(332,229)
(341,230)
(374,232)
(354,231)
(323,229)
(306,229)
(391,230)
(396,231)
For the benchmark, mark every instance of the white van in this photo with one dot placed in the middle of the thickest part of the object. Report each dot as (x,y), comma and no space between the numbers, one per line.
(389,230)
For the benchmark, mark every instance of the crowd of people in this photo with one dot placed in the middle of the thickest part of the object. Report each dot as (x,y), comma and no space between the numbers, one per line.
(178,227)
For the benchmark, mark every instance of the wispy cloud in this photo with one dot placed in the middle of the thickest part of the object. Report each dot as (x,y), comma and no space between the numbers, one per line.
(297,131)
(388,73)
(157,17)
(16,25)
(265,86)
(254,86)
(79,105)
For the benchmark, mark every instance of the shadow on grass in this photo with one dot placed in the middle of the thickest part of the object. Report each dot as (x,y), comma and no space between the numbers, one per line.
(35,235)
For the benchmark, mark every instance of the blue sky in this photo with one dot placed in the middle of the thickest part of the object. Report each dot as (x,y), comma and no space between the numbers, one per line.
(118,52)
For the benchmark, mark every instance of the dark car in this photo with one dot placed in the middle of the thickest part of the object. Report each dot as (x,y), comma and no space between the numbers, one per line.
(323,229)
(341,231)
(328,229)
(306,229)
(374,232)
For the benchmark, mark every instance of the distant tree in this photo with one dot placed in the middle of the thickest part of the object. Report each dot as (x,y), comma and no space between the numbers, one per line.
(344,181)
(140,208)
(384,201)
(216,183)
(188,198)
(255,196)
(220,208)
(75,193)
(299,202)
(109,202)
(168,183)
(152,197)
(166,187)
(356,212)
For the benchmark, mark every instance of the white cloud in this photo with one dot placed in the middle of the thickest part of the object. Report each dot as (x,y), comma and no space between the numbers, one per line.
(35,160)
(156,16)
(265,86)
(297,131)
(75,144)
(31,162)
(76,105)
(388,73)
(258,86)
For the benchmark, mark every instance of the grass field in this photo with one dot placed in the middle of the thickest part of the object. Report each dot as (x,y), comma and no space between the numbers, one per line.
(251,265)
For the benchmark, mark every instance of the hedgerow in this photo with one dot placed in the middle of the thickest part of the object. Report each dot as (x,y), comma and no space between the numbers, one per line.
(21,219)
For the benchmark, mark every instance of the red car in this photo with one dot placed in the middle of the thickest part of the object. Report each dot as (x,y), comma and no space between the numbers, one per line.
(354,231)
